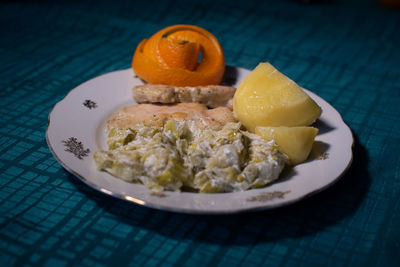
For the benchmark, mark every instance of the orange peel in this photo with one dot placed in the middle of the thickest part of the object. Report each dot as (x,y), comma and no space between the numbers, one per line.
(180,55)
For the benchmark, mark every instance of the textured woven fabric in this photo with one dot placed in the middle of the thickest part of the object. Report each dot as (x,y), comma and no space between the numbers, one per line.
(345,51)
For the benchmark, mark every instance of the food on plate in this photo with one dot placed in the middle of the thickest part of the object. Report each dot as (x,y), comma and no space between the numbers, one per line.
(183,156)
(295,142)
(211,95)
(180,55)
(267,97)
(158,115)
(183,135)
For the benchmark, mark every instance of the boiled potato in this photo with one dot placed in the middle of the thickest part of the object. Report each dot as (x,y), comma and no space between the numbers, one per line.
(267,97)
(295,142)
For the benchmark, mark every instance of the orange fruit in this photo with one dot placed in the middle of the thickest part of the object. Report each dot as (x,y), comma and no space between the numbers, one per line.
(180,55)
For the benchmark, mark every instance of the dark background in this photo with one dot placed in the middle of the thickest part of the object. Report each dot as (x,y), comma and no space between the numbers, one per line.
(345,51)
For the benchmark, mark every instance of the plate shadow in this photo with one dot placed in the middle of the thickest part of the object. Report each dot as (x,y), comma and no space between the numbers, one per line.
(230,76)
(304,218)
(323,126)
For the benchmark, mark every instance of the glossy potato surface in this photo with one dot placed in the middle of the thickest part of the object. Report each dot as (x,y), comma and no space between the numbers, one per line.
(266,97)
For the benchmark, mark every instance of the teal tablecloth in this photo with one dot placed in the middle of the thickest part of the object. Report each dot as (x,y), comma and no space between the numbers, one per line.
(345,51)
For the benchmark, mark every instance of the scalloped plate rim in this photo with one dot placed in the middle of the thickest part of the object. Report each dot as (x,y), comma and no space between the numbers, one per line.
(60,157)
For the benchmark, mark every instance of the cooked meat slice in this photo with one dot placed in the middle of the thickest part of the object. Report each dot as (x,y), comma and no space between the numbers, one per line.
(221,115)
(157,115)
(212,95)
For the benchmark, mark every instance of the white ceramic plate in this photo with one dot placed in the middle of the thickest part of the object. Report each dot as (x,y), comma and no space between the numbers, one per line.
(76,131)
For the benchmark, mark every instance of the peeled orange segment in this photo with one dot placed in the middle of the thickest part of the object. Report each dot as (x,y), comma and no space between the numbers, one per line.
(180,55)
